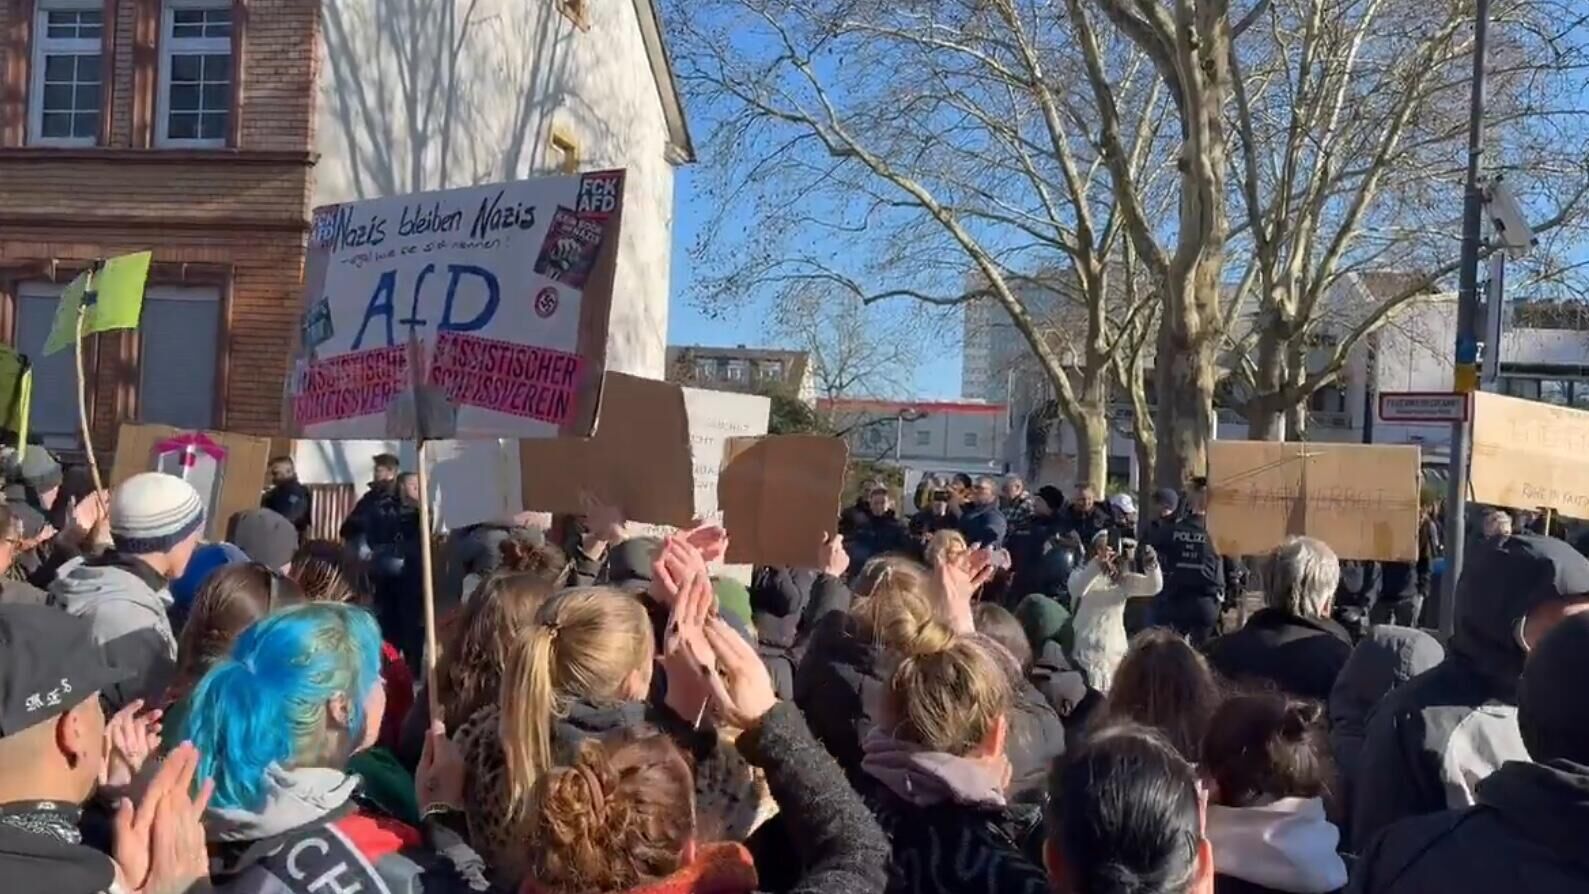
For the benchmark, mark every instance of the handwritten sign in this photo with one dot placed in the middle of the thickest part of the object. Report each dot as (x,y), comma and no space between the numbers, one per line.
(714,417)
(780,495)
(1361,499)
(1530,455)
(505,290)
(226,469)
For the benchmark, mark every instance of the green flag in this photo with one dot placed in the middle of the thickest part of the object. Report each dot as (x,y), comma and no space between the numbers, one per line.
(111,295)
(16,393)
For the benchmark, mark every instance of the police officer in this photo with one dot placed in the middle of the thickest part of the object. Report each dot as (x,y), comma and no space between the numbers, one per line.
(1194,587)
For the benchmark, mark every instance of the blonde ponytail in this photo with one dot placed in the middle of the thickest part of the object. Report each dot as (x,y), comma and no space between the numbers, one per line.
(584,643)
(528,703)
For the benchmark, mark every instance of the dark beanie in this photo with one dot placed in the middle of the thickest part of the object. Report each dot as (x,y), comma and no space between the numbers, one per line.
(1550,709)
(265,536)
(629,562)
(1167,499)
(39,469)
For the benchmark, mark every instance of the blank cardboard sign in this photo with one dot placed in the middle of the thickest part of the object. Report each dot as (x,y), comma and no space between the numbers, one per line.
(228,470)
(779,494)
(1361,499)
(638,460)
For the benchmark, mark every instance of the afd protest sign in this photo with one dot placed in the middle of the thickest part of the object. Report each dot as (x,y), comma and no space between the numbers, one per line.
(500,294)
(1361,499)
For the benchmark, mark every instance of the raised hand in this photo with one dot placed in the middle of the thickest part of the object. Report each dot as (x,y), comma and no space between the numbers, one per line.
(743,691)
(675,563)
(129,741)
(687,659)
(710,538)
(603,523)
(159,844)
(959,579)
(833,559)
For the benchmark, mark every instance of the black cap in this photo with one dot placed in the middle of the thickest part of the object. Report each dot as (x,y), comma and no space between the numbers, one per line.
(265,536)
(1167,499)
(49,664)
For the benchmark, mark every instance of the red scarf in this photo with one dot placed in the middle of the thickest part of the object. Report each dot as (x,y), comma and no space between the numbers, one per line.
(725,868)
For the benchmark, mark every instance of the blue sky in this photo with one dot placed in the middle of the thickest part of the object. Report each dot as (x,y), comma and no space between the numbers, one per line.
(937,377)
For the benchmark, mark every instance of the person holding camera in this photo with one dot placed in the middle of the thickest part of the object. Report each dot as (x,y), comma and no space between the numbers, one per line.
(1099,591)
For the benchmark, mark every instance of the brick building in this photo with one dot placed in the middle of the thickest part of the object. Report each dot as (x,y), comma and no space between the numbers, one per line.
(180,126)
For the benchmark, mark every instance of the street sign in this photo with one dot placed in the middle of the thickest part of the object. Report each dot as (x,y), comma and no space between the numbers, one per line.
(1423,407)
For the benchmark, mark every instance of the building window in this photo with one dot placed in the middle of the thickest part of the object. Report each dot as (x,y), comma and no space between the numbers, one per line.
(177,360)
(923,438)
(577,11)
(1527,389)
(67,52)
(1553,391)
(736,371)
(772,369)
(706,368)
(971,439)
(565,152)
(195,73)
(53,412)
(1580,394)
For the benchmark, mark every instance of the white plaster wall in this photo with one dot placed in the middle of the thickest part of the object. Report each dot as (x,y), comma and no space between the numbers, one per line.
(400,111)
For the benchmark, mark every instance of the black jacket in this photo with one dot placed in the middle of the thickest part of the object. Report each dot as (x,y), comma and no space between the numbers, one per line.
(1431,741)
(873,535)
(1192,567)
(984,526)
(785,605)
(1525,834)
(838,684)
(955,848)
(293,502)
(39,862)
(824,840)
(1301,656)
(1359,586)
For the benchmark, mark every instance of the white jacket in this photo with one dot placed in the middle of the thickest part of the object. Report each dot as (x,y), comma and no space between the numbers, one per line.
(1287,845)
(1099,622)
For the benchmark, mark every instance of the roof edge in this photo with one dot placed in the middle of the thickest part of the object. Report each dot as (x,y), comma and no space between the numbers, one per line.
(681,148)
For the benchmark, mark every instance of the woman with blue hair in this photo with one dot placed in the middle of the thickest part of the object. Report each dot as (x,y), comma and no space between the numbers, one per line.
(279,719)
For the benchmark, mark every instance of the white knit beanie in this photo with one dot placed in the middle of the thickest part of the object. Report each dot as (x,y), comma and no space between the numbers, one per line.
(152,512)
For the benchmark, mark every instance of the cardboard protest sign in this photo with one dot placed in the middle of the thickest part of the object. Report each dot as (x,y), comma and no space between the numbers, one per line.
(112,295)
(1361,499)
(779,494)
(638,460)
(505,288)
(228,470)
(1530,455)
(16,393)
(714,417)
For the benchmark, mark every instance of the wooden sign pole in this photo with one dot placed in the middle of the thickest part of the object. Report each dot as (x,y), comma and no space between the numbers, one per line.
(428,569)
(82,403)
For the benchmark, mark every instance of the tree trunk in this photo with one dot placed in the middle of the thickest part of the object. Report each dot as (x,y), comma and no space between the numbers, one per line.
(1091,422)
(1144,443)
(1185,374)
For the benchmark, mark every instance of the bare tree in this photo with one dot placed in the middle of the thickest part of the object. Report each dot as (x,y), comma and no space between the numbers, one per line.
(1350,119)
(938,152)
(857,350)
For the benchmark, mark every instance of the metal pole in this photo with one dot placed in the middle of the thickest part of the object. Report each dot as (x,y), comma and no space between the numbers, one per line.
(1494,322)
(1467,347)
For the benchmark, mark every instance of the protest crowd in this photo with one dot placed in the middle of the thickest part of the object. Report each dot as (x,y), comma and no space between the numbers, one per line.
(978,688)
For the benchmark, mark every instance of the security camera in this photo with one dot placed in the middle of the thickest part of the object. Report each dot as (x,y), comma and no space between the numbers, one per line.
(1511,226)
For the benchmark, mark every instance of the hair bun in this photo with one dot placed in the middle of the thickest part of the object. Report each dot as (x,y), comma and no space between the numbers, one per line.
(1299,718)
(577,797)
